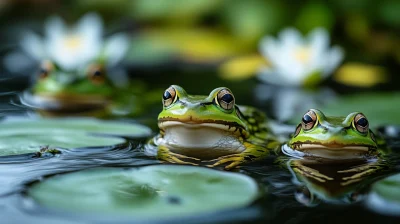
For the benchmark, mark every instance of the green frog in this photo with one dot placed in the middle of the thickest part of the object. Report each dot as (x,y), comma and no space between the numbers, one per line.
(321,139)
(209,129)
(86,91)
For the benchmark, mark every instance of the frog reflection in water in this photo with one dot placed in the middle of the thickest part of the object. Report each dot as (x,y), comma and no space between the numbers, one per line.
(339,151)
(84,92)
(325,182)
(213,128)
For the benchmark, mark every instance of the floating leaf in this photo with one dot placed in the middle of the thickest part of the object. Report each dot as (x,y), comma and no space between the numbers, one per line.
(380,108)
(385,196)
(28,143)
(192,45)
(242,67)
(362,75)
(20,136)
(151,192)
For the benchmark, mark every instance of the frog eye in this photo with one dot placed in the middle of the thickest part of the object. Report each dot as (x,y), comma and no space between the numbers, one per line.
(45,69)
(169,96)
(96,74)
(361,123)
(309,120)
(225,99)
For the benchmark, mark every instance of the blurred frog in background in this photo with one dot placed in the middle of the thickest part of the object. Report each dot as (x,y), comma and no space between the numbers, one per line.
(80,70)
(213,130)
(87,91)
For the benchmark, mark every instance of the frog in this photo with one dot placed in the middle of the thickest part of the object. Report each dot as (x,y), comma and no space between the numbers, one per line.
(85,91)
(212,130)
(333,141)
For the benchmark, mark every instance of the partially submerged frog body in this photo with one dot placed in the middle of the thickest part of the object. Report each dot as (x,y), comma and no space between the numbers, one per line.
(327,183)
(210,128)
(86,91)
(321,139)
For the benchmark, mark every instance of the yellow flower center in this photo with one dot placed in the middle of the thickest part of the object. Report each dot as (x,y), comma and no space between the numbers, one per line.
(303,54)
(73,42)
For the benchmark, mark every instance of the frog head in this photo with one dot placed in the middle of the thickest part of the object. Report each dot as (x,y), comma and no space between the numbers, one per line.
(202,125)
(217,110)
(86,87)
(334,137)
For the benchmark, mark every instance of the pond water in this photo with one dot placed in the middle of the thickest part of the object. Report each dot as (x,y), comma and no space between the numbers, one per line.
(286,198)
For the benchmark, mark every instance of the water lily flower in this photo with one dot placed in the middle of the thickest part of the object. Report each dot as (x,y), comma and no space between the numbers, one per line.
(286,103)
(70,48)
(299,61)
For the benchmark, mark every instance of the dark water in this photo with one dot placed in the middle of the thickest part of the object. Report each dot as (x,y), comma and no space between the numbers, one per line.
(281,202)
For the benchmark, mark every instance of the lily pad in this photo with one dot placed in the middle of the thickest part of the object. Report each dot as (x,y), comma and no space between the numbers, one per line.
(161,191)
(23,135)
(380,108)
(385,196)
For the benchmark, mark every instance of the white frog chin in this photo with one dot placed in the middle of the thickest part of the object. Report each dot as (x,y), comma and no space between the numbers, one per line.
(325,152)
(200,140)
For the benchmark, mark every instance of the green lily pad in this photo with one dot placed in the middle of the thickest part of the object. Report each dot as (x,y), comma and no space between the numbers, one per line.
(380,108)
(21,136)
(384,196)
(161,191)
(27,143)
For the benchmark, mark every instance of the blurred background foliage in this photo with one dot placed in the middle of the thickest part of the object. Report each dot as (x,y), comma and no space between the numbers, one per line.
(215,29)
(223,36)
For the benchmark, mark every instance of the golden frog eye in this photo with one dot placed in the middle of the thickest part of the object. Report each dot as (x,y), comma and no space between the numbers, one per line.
(46,68)
(309,120)
(225,99)
(96,74)
(169,96)
(361,123)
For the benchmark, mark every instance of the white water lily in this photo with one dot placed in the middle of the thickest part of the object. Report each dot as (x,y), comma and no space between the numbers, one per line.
(296,60)
(287,102)
(72,47)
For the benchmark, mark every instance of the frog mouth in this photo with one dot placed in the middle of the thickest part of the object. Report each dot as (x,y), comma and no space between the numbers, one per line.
(333,147)
(190,123)
(330,151)
(64,102)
